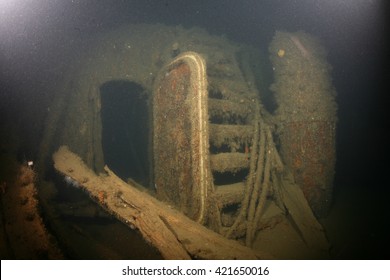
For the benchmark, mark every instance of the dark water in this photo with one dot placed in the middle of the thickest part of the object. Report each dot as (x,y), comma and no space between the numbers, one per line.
(39,38)
(125,134)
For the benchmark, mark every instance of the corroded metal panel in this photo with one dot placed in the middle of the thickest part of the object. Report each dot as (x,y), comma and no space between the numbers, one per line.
(306,115)
(309,148)
(182,173)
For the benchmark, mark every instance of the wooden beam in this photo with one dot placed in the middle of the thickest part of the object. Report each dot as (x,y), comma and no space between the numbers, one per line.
(172,233)
(302,216)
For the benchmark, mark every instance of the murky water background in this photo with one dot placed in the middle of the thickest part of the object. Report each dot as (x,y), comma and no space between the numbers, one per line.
(39,40)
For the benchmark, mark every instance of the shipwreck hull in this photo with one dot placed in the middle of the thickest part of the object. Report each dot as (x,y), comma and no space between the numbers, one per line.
(213,150)
(306,114)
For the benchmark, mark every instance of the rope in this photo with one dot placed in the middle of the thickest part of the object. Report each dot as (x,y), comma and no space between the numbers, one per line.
(253,219)
(249,184)
(257,186)
(265,166)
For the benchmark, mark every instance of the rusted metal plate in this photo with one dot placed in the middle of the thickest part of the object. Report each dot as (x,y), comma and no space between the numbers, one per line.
(182,172)
(309,148)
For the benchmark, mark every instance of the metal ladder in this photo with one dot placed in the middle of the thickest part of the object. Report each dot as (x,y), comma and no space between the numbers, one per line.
(231,110)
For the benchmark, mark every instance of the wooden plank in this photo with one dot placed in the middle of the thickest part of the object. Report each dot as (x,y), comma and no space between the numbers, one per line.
(173,234)
(302,216)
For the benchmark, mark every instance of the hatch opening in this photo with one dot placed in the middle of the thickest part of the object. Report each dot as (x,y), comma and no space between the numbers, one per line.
(125,130)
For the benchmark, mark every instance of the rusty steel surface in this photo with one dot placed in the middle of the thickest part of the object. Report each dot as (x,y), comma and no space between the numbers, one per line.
(182,173)
(310,151)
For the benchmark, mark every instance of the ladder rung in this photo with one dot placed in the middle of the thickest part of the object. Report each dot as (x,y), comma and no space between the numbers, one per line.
(227,109)
(229,194)
(224,134)
(229,162)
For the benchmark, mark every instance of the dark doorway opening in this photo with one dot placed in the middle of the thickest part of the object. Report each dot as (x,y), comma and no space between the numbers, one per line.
(125,133)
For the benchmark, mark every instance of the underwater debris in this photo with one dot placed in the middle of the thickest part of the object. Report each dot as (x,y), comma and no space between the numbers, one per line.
(24,234)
